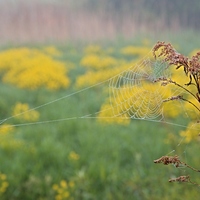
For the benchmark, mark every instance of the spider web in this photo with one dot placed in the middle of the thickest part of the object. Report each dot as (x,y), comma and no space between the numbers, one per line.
(137,93)
(134,93)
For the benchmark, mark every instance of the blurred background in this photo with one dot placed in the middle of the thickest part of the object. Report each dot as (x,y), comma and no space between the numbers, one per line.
(62,20)
(59,137)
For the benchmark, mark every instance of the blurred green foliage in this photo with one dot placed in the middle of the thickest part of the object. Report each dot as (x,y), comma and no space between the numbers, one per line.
(82,158)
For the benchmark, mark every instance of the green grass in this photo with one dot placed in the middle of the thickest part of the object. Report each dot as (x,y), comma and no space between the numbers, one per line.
(116,161)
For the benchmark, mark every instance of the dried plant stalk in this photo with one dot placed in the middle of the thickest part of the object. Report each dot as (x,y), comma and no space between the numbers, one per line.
(183,179)
(191,67)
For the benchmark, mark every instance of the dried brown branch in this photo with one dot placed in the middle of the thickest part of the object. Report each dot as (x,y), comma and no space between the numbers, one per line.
(166,160)
(191,66)
(183,179)
(180,179)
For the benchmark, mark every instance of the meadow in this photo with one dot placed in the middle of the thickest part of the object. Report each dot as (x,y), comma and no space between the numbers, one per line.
(55,143)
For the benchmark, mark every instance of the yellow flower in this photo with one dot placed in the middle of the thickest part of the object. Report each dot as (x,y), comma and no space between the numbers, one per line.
(194,52)
(98,62)
(190,108)
(62,191)
(63,184)
(73,156)
(58,197)
(55,187)
(22,111)
(66,194)
(106,116)
(32,69)
(71,184)
(3,177)
(191,132)
(6,128)
(135,51)
(94,77)
(3,183)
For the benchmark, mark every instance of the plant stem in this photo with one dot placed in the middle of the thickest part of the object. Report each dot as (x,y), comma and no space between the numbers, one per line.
(175,83)
(190,103)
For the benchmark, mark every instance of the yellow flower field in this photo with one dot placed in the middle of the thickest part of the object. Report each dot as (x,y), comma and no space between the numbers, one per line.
(79,123)
(32,69)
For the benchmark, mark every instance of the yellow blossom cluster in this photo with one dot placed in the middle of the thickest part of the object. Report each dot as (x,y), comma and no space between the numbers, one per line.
(73,156)
(125,102)
(22,111)
(106,116)
(140,101)
(130,99)
(9,142)
(191,132)
(171,108)
(102,68)
(6,140)
(179,77)
(135,51)
(32,68)
(194,52)
(98,62)
(5,129)
(190,109)
(3,183)
(63,190)
(93,77)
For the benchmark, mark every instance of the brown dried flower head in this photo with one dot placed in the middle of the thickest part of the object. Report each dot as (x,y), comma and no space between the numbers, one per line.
(191,65)
(180,179)
(166,160)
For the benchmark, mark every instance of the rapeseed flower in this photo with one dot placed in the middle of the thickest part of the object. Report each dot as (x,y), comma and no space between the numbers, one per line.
(32,68)
(138,102)
(140,51)
(190,109)
(23,111)
(73,156)
(3,183)
(98,62)
(171,109)
(5,129)
(94,77)
(63,190)
(194,52)
(144,100)
(106,116)
(191,132)
(7,141)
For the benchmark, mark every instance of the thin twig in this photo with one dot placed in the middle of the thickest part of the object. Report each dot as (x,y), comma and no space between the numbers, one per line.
(175,83)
